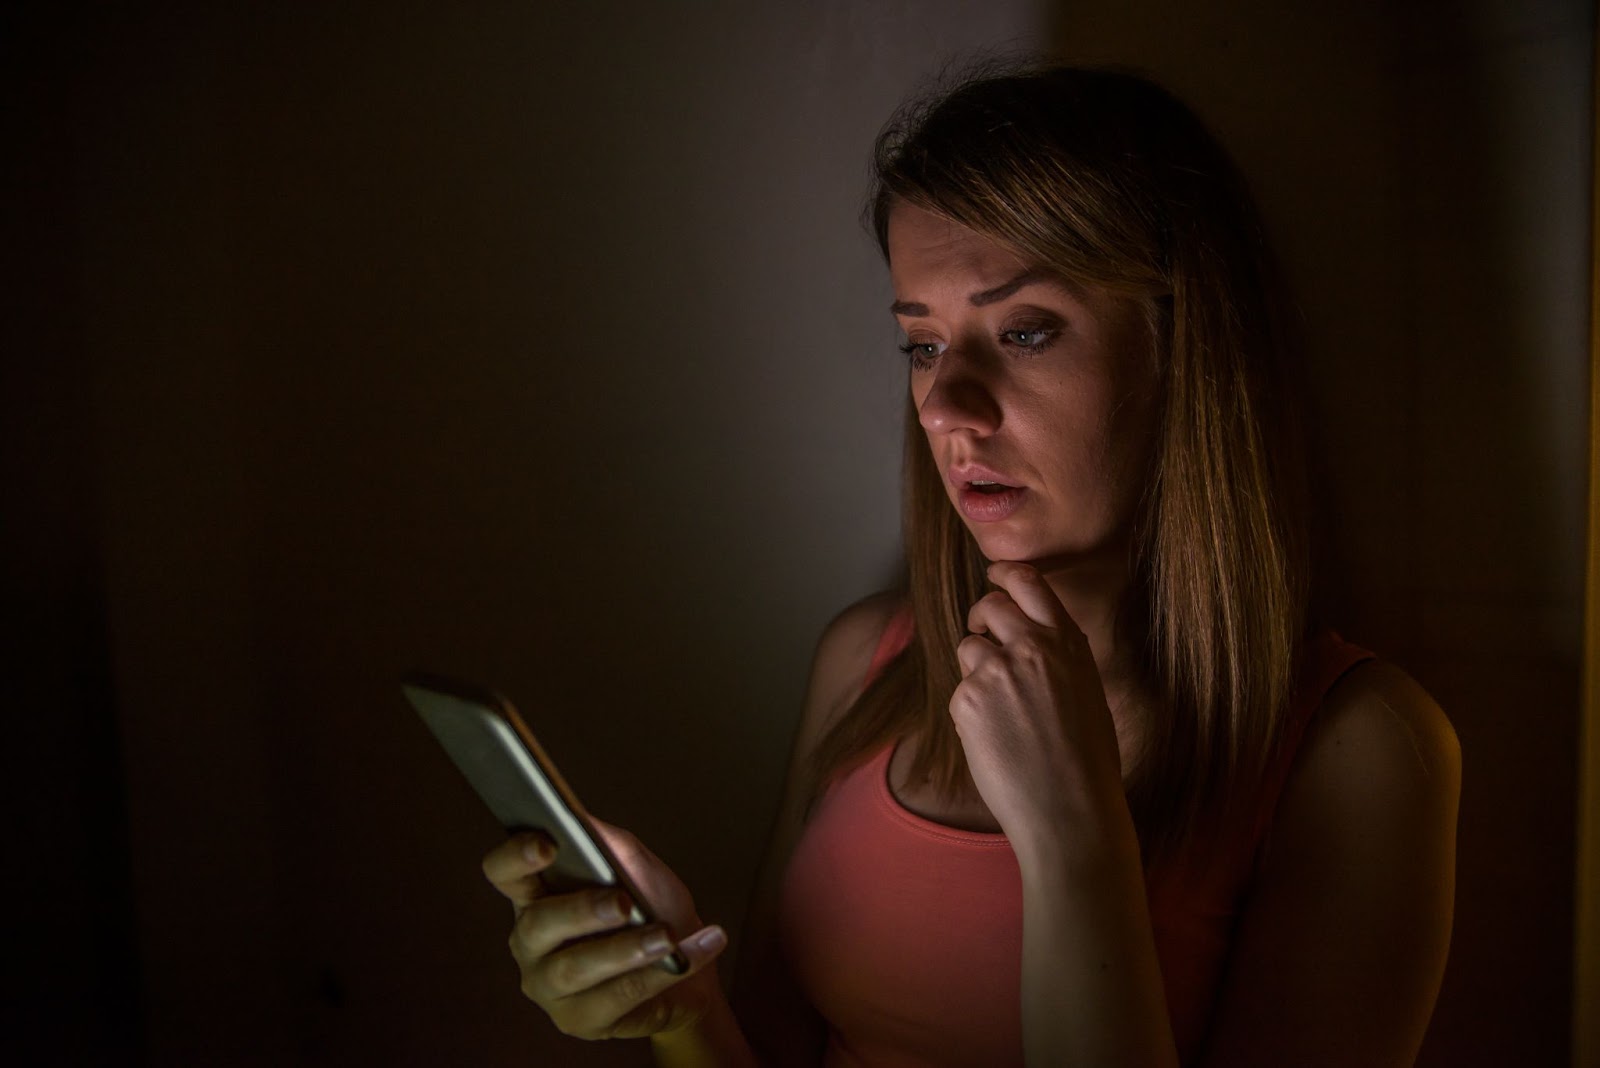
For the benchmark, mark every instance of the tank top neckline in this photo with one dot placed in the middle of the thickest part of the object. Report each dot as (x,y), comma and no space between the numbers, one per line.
(878,768)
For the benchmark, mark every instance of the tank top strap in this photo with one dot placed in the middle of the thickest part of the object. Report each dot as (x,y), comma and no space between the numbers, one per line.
(895,637)
(1327,658)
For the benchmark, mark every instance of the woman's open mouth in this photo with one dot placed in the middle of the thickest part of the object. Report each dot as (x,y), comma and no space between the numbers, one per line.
(985,501)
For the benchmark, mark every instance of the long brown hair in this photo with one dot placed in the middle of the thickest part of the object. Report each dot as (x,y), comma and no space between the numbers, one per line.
(1110,180)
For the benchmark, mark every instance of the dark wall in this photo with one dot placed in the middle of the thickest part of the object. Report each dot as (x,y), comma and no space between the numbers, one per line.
(71,990)
(533,343)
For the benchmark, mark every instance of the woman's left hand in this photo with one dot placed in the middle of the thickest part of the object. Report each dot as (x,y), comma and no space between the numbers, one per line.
(1031,710)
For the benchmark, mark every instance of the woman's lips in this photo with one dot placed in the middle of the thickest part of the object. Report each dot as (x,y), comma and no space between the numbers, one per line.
(989,506)
(983,494)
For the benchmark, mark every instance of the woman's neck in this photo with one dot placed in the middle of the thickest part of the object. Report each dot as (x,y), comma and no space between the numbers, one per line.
(1094,591)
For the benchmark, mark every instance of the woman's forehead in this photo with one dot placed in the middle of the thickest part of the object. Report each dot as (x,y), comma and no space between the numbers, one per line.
(931,256)
(923,244)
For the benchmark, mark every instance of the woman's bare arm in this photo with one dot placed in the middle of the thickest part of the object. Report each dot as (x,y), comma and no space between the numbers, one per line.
(1041,743)
(1091,980)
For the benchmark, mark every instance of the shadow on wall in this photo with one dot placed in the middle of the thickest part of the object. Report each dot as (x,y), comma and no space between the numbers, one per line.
(71,991)
(1421,168)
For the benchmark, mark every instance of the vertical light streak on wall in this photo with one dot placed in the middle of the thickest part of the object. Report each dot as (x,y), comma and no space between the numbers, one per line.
(1586,981)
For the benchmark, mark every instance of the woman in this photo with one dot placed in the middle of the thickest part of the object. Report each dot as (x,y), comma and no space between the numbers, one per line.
(1094,788)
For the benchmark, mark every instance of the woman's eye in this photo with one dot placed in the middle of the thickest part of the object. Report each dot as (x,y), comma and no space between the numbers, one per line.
(1028,337)
(1020,339)
(921,353)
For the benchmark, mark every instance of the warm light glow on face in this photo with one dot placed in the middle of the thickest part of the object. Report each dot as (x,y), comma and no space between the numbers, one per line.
(1036,395)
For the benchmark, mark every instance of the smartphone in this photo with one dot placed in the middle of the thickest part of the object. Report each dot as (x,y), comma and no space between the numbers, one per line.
(510,770)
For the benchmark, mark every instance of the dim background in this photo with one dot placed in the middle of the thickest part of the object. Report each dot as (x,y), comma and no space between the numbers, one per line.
(539,344)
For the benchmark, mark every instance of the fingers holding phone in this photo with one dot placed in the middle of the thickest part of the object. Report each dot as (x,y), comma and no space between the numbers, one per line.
(581,959)
(605,985)
(514,865)
(598,915)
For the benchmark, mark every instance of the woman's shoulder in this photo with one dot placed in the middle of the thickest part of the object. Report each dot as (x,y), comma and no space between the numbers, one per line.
(1347,922)
(872,612)
(840,666)
(845,650)
(1379,735)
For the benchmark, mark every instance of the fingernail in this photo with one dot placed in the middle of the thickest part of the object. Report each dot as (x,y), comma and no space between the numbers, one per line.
(708,941)
(536,851)
(654,943)
(612,908)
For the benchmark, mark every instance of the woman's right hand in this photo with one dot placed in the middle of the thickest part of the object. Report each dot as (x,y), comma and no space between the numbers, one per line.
(595,985)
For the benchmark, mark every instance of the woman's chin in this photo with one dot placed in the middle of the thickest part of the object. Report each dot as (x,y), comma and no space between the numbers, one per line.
(1022,550)
(1044,556)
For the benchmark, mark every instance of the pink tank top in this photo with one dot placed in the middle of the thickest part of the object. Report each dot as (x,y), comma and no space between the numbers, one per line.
(906,935)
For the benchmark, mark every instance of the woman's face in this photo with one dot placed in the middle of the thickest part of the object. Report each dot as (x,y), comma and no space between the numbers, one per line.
(1036,396)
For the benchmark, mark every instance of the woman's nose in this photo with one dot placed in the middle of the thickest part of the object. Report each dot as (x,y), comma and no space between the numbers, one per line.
(958,399)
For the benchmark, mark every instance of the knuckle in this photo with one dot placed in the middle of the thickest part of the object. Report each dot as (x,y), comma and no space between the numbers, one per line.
(522,945)
(581,1024)
(566,915)
(494,866)
(524,932)
(632,988)
(562,973)
(576,1029)
(646,1020)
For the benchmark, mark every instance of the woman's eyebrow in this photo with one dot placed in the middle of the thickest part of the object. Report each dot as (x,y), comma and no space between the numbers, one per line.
(987,296)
